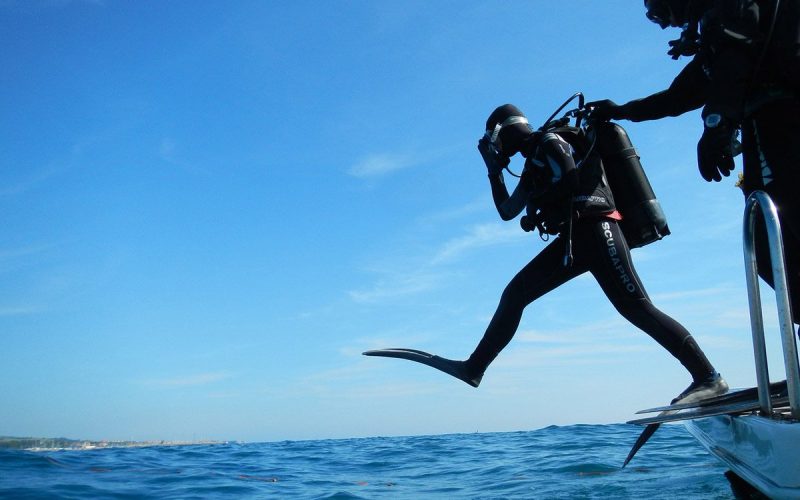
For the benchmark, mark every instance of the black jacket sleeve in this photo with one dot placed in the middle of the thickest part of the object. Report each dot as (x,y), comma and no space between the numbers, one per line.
(732,39)
(687,92)
(719,75)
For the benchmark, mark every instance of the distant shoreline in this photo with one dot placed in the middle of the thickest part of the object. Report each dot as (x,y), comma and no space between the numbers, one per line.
(49,444)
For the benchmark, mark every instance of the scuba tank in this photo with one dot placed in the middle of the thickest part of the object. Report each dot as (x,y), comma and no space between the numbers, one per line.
(643,220)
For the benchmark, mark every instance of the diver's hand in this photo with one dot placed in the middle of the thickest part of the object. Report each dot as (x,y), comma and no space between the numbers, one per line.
(716,149)
(687,45)
(527,223)
(681,47)
(495,162)
(604,110)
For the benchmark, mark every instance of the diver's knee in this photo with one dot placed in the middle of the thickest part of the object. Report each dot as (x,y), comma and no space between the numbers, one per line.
(514,295)
(633,309)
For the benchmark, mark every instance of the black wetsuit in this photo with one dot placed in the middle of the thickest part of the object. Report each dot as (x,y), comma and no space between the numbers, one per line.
(770,137)
(733,75)
(551,182)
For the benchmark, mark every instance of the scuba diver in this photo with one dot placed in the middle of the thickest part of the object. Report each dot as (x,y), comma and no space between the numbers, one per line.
(745,74)
(564,192)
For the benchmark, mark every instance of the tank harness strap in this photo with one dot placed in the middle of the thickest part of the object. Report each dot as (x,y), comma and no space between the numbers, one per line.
(568,257)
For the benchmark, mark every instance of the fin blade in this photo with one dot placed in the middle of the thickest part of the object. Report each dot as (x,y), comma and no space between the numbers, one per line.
(646,434)
(710,411)
(399,352)
(776,389)
(448,366)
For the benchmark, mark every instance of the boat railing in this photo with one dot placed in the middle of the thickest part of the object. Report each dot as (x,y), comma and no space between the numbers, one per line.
(760,199)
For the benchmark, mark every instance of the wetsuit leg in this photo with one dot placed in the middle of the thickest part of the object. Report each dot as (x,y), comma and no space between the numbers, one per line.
(772,163)
(541,275)
(613,269)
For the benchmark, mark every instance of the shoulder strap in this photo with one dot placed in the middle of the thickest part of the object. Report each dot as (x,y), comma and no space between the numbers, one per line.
(575,136)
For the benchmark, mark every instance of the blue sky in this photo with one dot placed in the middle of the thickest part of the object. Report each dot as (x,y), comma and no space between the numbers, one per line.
(210,209)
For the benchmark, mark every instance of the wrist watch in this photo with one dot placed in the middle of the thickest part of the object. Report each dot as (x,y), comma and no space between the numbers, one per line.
(713,120)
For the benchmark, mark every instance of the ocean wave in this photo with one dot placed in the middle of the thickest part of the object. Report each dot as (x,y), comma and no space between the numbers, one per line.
(579,461)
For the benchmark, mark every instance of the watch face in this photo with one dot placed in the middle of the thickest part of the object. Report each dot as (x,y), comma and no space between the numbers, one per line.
(713,120)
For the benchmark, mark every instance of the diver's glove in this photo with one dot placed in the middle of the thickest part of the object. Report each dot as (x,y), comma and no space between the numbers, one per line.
(495,162)
(687,45)
(527,223)
(716,148)
(605,110)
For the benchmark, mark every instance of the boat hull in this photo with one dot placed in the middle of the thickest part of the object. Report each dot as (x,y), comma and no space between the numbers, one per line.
(765,452)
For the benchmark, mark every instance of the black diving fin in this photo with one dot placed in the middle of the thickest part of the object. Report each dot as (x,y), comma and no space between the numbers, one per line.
(735,402)
(735,408)
(653,423)
(726,408)
(776,389)
(646,434)
(452,367)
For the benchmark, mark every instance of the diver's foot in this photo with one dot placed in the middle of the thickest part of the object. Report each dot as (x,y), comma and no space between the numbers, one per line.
(711,386)
(459,370)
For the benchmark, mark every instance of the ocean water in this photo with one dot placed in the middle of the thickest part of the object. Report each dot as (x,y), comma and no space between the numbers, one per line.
(578,461)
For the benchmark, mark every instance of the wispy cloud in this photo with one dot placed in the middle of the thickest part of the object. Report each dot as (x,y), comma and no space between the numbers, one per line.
(734,344)
(70,160)
(479,205)
(482,235)
(12,253)
(171,152)
(427,272)
(612,327)
(360,380)
(396,286)
(391,338)
(32,180)
(594,353)
(6,311)
(60,3)
(692,294)
(14,259)
(189,380)
(167,149)
(377,165)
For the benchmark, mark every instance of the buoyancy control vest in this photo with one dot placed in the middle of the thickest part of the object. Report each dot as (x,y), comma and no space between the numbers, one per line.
(643,220)
(554,202)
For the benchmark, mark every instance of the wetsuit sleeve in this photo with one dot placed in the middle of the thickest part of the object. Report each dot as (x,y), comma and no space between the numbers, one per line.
(732,70)
(731,30)
(687,92)
(507,206)
(718,76)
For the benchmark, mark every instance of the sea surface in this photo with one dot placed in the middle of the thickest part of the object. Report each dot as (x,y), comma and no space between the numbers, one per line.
(578,461)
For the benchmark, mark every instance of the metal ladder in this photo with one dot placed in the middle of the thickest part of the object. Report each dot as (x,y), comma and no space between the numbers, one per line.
(760,199)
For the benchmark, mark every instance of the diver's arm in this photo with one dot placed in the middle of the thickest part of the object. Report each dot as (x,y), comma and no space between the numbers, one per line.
(732,32)
(729,85)
(687,92)
(507,206)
